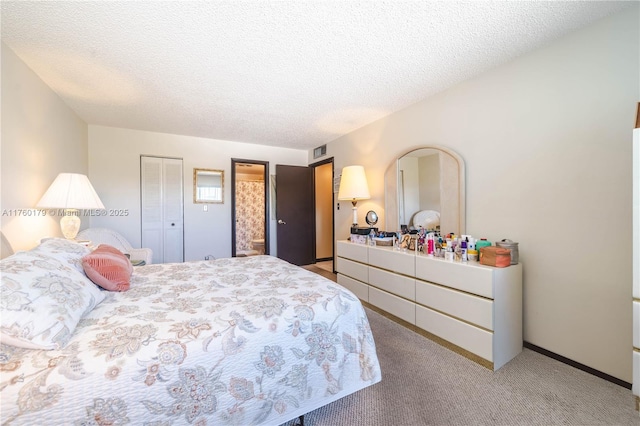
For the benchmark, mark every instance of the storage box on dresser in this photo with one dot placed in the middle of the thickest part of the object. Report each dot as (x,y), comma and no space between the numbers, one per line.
(475,307)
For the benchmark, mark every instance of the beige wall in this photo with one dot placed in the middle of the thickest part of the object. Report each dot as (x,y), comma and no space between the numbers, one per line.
(41,137)
(114,170)
(547,145)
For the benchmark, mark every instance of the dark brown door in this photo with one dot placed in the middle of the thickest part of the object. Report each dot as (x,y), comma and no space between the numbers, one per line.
(295,214)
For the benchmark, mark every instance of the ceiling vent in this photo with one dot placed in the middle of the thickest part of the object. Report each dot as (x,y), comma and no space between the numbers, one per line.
(320,151)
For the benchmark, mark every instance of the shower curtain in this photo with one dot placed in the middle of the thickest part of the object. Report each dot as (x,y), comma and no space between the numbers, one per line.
(249,213)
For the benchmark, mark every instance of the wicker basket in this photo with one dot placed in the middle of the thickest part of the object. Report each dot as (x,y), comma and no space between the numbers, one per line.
(384,241)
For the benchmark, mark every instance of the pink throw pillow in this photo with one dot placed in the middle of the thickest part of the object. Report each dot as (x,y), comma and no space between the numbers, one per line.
(107,267)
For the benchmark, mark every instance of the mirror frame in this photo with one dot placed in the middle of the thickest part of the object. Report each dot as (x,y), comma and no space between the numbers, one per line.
(369,218)
(391,189)
(197,200)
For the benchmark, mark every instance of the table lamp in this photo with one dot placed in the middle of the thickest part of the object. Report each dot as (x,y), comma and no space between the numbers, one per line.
(353,187)
(71,192)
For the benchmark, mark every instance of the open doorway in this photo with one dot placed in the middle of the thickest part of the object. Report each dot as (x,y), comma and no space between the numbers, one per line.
(324,214)
(249,207)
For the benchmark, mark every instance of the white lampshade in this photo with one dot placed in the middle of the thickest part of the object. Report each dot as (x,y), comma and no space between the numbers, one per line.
(353,187)
(353,184)
(71,192)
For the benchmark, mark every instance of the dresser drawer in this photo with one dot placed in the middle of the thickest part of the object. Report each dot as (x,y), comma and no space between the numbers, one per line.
(360,289)
(473,339)
(353,269)
(397,261)
(395,305)
(393,283)
(357,252)
(468,276)
(473,309)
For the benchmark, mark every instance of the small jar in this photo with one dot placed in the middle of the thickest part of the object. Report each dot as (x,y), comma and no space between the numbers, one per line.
(472,255)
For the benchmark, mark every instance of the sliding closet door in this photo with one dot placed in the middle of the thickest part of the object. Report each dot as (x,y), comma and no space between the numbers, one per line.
(162,208)
(151,212)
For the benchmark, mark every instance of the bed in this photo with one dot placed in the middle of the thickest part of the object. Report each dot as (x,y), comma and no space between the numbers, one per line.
(237,341)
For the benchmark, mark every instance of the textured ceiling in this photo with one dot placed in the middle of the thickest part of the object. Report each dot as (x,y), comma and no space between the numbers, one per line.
(285,73)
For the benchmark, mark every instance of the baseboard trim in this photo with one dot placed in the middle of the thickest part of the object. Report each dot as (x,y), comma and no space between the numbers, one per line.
(577,365)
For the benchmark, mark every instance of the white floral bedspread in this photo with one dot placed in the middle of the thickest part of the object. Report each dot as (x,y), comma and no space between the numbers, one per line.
(236,341)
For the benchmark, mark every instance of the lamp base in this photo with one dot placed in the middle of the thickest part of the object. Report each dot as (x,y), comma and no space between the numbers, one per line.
(70,224)
(355,213)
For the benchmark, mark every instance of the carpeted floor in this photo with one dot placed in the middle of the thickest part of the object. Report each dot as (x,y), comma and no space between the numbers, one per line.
(425,384)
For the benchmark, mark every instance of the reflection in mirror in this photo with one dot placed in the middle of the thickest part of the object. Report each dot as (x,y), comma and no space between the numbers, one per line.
(371,218)
(208,186)
(424,188)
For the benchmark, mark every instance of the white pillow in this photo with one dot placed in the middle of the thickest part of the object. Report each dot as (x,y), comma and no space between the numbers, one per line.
(43,295)
(65,251)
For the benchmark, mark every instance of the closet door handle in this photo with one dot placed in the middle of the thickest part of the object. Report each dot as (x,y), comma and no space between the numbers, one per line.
(281,222)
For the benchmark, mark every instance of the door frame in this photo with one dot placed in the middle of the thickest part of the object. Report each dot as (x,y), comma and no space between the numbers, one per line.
(267,240)
(333,212)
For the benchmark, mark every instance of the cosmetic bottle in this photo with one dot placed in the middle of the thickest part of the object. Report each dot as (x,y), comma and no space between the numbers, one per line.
(431,247)
(372,236)
(448,254)
(471,245)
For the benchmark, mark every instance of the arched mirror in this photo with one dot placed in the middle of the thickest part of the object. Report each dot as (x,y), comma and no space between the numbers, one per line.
(425,188)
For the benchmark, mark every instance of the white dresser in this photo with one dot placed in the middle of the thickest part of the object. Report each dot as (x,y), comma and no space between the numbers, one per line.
(466,306)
